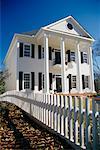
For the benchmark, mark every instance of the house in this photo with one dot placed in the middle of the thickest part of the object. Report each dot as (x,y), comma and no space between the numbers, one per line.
(55,58)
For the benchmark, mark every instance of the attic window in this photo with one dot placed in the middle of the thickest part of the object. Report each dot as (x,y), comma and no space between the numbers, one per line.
(69,26)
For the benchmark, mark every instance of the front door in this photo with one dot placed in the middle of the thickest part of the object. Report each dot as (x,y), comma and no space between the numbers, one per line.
(58,84)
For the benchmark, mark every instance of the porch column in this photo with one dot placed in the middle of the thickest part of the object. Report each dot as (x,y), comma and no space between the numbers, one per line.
(79,75)
(91,70)
(46,64)
(17,68)
(63,73)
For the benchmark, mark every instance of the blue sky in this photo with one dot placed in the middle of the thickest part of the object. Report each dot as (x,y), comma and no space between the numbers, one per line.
(18,16)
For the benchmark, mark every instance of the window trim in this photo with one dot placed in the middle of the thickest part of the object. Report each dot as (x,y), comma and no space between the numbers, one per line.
(24,80)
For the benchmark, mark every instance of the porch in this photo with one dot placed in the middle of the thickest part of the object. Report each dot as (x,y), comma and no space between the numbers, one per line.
(65,53)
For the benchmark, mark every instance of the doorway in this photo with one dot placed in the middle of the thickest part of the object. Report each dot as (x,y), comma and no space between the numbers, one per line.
(58,84)
(57,58)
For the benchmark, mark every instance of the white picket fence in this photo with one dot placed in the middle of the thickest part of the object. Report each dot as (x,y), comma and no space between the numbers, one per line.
(72,116)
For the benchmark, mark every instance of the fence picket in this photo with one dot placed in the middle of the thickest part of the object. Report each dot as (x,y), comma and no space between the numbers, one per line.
(70,119)
(58,113)
(81,123)
(44,103)
(46,115)
(87,134)
(62,115)
(75,120)
(66,116)
(52,111)
(55,114)
(94,124)
(49,110)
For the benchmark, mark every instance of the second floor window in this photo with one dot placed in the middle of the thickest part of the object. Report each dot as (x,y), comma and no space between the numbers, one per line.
(27,49)
(72,56)
(84,57)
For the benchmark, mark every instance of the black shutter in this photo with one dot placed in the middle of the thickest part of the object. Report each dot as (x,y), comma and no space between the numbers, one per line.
(70,84)
(81,57)
(50,81)
(33,51)
(21,50)
(83,81)
(40,81)
(32,80)
(43,81)
(50,53)
(68,52)
(20,80)
(39,51)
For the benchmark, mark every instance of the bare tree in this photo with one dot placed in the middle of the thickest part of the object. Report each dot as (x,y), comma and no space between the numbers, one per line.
(3,76)
(96,58)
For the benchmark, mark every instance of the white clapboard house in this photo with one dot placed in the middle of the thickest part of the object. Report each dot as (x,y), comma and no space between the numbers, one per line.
(55,58)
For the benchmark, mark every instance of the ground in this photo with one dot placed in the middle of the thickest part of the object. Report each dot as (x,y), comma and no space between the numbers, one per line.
(17,131)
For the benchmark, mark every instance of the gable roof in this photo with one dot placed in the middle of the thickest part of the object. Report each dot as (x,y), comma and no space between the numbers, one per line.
(33,32)
(54,26)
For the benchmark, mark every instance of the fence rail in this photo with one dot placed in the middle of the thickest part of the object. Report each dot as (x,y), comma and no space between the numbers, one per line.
(72,116)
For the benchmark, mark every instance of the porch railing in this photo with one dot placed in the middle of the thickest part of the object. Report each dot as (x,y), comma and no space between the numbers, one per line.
(75,117)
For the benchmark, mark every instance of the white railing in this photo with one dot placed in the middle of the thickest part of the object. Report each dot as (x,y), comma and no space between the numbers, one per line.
(72,116)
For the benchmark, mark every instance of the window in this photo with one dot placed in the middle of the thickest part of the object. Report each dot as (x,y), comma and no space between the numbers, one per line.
(85,81)
(72,56)
(26,81)
(69,25)
(83,57)
(42,53)
(27,50)
(73,81)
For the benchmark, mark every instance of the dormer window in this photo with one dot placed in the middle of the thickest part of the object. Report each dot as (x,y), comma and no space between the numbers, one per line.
(69,25)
